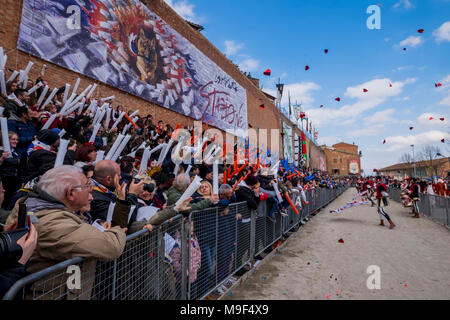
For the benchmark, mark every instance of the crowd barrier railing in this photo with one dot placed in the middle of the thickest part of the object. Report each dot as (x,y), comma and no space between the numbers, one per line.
(435,207)
(182,259)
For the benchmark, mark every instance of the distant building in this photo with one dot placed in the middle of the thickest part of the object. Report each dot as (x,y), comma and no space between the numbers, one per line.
(424,169)
(343,159)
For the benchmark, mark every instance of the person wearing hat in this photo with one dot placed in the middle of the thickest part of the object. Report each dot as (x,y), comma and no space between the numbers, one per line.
(42,154)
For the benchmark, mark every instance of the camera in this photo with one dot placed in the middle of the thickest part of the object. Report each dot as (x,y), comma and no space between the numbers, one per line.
(149,187)
(10,251)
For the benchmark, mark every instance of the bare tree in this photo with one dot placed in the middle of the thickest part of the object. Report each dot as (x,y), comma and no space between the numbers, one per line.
(406,158)
(429,153)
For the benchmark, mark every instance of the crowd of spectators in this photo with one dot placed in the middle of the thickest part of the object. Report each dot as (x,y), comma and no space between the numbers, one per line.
(86,206)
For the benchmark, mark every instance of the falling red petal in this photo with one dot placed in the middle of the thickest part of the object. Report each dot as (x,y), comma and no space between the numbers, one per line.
(306,68)
(390,85)
(321,105)
(365,90)
(443,140)
(438,84)
(338,99)
(442,119)
(420,31)
(410,128)
(404,49)
(326,51)
(384,141)
(431,118)
(341,240)
(261,106)
(267,72)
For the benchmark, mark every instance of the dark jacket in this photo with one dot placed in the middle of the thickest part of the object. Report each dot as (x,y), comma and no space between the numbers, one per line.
(100,205)
(42,160)
(10,166)
(9,276)
(265,182)
(11,108)
(26,132)
(246,194)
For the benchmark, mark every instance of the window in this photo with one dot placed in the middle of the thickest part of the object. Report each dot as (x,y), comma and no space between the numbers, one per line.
(335,160)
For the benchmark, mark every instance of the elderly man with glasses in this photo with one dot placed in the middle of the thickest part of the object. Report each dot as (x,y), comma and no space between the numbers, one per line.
(62,234)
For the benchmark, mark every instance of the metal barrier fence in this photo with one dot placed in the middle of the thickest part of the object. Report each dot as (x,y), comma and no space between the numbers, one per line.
(435,207)
(210,246)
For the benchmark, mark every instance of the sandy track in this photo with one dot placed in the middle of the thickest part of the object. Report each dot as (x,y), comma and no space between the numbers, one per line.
(414,258)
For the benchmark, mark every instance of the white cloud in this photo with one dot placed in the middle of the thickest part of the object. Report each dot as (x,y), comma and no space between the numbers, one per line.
(329,141)
(445,102)
(301,92)
(183,8)
(248,64)
(412,41)
(445,89)
(405,3)
(424,119)
(442,34)
(365,132)
(380,117)
(231,47)
(379,92)
(422,139)
(404,68)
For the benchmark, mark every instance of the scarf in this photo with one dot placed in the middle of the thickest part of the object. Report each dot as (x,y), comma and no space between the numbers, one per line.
(38,145)
(102,189)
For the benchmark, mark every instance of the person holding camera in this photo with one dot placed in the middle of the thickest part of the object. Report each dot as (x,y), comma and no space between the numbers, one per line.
(14,255)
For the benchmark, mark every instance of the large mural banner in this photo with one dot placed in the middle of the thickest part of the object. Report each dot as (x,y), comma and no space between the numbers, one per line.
(287,143)
(124,44)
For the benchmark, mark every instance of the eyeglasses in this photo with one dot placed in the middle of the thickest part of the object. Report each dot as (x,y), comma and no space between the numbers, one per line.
(88,185)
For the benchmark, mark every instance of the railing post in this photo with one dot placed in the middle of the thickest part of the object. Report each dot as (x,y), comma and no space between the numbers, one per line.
(184,242)
(252,235)
(114,280)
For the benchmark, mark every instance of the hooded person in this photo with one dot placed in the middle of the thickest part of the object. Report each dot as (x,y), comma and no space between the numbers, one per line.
(249,191)
(42,154)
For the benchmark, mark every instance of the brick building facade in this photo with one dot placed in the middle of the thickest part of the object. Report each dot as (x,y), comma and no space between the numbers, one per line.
(267,118)
(343,159)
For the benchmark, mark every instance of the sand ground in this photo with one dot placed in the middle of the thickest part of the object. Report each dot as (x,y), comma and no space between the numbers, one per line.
(414,258)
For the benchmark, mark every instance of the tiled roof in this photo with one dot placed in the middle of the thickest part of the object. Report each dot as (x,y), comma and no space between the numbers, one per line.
(419,164)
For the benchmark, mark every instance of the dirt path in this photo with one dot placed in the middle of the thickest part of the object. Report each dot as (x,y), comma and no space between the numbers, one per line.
(414,258)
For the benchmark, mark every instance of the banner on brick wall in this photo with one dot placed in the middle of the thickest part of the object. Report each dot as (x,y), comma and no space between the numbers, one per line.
(287,143)
(124,44)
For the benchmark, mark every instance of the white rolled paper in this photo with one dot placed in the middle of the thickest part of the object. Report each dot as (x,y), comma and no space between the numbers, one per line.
(108,117)
(5,138)
(75,88)
(121,147)
(107,98)
(100,155)
(175,171)
(188,170)
(3,83)
(98,112)
(144,161)
(164,152)
(25,81)
(117,121)
(62,150)
(190,190)
(13,76)
(1,110)
(44,67)
(133,114)
(3,59)
(42,96)
(216,177)
(66,92)
(114,147)
(275,187)
(49,122)
(94,132)
(126,128)
(51,96)
(37,86)
(92,91)
(158,148)
(28,68)
(62,133)
(80,96)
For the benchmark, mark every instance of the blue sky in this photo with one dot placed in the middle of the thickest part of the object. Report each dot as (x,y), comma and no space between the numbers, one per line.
(285,36)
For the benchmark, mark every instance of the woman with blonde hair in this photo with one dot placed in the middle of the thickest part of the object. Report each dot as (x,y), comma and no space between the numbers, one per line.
(10,169)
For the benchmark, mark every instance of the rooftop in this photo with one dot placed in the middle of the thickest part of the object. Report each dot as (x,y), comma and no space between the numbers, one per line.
(419,164)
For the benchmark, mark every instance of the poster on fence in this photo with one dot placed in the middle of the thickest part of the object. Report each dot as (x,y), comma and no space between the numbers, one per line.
(124,44)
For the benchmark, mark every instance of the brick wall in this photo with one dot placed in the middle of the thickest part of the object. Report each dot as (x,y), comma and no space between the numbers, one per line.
(58,76)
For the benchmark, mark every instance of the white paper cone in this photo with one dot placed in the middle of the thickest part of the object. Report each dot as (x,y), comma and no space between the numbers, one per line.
(133,114)
(66,92)
(52,95)
(3,83)
(114,147)
(28,68)
(75,88)
(49,122)
(1,110)
(121,147)
(117,121)
(44,67)
(215,177)
(62,150)
(92,91)
(62,133)
(5,138)
(107,98)
(43,94)
(108,117)
(188,170)
(144,161)
(190,190)
(164,152)
(100,155)
(94,132)
(158,148)
(13,76)
(175,171)
(25,81)
(275,187)
(37,86)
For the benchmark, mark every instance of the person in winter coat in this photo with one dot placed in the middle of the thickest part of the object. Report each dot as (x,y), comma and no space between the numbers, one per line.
(10,170)
(24,127)
(55,201)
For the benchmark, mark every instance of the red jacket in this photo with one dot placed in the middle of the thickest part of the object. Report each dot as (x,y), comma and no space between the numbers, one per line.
(380,188)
